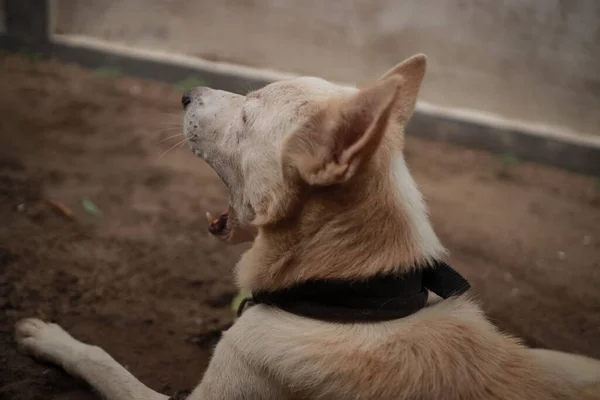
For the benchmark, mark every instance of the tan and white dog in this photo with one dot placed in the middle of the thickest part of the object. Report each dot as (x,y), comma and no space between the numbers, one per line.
(317,180)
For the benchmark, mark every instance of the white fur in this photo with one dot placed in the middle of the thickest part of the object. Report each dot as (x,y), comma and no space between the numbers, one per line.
(52,343)
(412,202)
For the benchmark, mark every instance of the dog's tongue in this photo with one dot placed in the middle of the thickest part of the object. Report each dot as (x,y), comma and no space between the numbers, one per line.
(218,226)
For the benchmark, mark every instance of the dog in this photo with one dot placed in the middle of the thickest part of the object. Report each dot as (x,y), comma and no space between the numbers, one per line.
(318,183)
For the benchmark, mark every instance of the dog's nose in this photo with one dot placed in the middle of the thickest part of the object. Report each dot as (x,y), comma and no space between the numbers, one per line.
(186,99)
(192,94)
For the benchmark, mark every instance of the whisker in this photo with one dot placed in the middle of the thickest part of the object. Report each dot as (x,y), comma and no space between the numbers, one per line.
(170,128)
(171,148)
(170,137)
(168,114)
(169,123)
(248,88)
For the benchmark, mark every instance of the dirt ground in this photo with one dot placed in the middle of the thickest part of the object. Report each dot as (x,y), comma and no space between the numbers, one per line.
(145,281)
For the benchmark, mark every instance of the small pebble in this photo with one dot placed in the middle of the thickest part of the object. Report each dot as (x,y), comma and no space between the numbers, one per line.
(135,90)
(587,240)
(514,292)
(562,255)
(508,277)
(21,207)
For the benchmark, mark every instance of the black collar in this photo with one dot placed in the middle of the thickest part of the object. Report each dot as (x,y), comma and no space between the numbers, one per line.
(380,298)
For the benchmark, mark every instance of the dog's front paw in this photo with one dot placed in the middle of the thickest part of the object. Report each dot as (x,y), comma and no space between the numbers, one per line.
(46,341)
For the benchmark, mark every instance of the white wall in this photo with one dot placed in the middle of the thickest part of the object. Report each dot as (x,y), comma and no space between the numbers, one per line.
(533,61)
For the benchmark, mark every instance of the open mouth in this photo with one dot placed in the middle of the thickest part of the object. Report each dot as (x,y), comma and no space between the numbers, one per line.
(227,227)
(219,226)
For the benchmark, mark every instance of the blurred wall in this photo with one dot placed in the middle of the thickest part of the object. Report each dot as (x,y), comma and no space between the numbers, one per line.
(2,24)
(527,60)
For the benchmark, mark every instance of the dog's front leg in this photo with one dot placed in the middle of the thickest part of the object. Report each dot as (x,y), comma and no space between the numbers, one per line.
(230,377)
(51,343)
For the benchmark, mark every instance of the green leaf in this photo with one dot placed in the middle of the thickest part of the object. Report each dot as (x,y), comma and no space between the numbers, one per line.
(507,160)
(30,55)
(90,208)
(188,83)
(109,72)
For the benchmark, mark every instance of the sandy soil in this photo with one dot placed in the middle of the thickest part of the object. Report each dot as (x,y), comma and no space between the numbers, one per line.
(144,280)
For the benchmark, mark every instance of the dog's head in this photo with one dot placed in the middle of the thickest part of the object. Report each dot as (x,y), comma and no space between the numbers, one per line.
(277,144)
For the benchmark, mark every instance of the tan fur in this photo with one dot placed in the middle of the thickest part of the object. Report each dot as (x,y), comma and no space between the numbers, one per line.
(343,231)
(316,172)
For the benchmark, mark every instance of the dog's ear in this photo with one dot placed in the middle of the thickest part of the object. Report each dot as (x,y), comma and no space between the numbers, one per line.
(343,135)
(412,70)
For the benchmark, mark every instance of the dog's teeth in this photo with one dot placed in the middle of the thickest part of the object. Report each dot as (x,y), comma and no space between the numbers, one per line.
(210,217)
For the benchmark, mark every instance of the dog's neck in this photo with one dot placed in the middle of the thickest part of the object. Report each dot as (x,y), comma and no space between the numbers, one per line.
(376,225)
